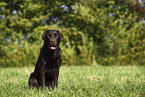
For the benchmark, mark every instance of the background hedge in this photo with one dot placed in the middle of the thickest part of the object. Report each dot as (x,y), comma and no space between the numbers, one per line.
(105,32)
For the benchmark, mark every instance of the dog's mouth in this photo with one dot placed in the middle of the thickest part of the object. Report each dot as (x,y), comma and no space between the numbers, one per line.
(53,48)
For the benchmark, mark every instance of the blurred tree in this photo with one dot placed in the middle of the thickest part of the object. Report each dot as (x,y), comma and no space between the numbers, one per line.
(23,21)
(24,16)
(106,32)
(111,24)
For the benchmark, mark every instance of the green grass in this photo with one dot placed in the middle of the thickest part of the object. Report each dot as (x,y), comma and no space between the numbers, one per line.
(78,81)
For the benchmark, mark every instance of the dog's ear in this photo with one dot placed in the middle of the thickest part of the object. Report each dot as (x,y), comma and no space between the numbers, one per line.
(43,35)
(61,36)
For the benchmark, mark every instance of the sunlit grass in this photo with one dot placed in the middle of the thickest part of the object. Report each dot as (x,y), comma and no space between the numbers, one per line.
(77,81)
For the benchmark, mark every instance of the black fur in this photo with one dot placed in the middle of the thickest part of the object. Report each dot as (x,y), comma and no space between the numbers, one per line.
(47,67)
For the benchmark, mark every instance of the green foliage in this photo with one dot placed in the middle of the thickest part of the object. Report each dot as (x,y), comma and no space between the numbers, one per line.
(117,33)
(18,52)
(79,81)
(87,51)
(105,32)
(127,39)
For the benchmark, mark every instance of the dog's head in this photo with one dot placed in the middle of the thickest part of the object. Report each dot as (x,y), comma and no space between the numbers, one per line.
(52,39)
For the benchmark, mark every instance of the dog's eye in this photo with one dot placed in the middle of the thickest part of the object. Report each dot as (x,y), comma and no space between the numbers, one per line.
(48,35)
(56,35)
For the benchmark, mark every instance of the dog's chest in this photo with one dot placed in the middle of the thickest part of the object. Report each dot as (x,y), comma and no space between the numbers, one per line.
(51,60)
(51,65)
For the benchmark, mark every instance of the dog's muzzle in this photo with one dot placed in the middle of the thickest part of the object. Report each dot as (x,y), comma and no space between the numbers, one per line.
(53,45)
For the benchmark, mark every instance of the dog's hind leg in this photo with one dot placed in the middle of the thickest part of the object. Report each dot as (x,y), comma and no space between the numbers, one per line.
(33,81)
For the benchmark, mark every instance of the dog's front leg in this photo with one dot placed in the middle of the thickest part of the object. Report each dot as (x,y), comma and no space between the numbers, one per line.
(55,75)
(42,79)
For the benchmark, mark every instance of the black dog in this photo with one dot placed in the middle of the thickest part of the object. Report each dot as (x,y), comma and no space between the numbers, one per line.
(47,67)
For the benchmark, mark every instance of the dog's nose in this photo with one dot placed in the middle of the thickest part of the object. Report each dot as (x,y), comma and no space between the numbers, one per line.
(52,40)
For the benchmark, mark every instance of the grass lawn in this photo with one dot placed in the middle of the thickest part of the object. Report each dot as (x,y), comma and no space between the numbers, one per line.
(92,81)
